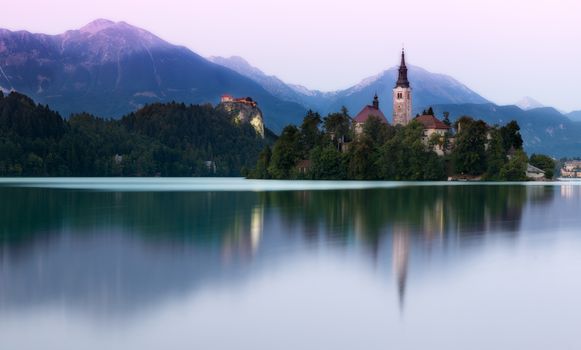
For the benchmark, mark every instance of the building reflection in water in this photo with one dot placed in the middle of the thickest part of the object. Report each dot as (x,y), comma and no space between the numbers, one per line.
(400,254)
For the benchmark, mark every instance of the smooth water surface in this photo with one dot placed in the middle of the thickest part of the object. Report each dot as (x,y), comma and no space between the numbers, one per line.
(237,264)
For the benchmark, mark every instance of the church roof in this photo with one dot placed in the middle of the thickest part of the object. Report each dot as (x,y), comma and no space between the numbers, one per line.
(402,79)
(368,111)
(431,122)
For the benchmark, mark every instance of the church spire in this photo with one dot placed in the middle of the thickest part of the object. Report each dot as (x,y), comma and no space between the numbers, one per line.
(402,80)
(376,101)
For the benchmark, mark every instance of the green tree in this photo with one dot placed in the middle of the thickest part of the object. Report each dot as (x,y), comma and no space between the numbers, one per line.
(326,163)
(545,163)
(511,136)
(495,155)
(311,134)
(338,126)
(469,154)
(515,169)
(285,154)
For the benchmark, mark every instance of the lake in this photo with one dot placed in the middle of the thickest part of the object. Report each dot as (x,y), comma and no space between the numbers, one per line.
(240,264)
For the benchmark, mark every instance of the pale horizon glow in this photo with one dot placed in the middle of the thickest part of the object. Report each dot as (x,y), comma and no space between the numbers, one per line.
(501,49)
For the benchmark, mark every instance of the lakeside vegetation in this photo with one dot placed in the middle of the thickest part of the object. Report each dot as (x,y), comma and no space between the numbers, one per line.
(177,140)
(158,140)
(329,149)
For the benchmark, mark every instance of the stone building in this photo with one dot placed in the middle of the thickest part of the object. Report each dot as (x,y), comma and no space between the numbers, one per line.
(402,96)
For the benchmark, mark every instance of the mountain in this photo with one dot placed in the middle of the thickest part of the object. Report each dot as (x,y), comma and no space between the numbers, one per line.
(544,130)
(527,103)
(429,89)
(575,116)
(112,68)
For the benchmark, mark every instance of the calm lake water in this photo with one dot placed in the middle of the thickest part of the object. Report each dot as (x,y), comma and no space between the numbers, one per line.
(236,264)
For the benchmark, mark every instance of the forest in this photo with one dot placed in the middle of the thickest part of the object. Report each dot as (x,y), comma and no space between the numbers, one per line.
(170,139)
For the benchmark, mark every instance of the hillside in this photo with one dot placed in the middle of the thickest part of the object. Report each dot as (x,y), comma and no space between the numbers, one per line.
(110,69)
(158,140)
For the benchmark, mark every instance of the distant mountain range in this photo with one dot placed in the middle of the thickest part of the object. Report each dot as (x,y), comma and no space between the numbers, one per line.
(429,89)
(112,68)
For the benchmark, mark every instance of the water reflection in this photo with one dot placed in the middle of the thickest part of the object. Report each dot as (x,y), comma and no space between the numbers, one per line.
(117,252)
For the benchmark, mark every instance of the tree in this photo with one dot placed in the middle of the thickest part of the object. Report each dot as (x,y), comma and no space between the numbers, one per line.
(545,163)
(326,163)
(377,130)
(360,165)
(469,154)
(515,169)
(311,134)
(285,154)
(261,169)
(338,125)
(511,136)
(495,155)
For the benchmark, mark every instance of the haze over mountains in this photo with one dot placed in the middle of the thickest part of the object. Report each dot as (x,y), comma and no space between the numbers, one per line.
(110,69)
(429,88)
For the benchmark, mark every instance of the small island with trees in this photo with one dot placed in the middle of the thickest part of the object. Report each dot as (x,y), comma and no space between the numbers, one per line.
(336,148)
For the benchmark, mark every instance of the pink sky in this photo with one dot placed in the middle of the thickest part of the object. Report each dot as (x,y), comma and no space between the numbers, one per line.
(503,49)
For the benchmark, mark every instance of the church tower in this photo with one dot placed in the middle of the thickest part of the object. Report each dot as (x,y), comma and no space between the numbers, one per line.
(402,96)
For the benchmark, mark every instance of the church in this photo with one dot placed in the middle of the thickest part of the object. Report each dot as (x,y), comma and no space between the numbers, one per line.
(402,109)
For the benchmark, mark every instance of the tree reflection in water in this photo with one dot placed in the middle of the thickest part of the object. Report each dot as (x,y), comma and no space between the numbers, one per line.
(223,231)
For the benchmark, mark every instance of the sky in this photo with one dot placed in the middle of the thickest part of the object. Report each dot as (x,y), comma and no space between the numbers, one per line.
(502,49)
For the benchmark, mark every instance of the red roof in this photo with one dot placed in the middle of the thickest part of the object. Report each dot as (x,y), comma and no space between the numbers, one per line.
(368,111)
(431,122)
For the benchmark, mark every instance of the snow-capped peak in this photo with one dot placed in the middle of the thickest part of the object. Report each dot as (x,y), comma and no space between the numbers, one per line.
(528,103)
(97,26)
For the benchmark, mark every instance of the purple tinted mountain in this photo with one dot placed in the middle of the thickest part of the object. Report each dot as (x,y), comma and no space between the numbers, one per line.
(429,89)
(109,69)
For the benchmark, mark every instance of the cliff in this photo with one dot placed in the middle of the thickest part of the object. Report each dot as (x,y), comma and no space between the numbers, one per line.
(244,113)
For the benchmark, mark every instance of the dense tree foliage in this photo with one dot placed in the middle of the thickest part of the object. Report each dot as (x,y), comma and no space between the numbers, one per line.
(380,152)
(384,152)
(545,163)
(158,140)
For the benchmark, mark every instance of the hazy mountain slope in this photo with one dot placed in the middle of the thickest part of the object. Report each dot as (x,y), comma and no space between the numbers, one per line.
(575,116)
(110,69)
(544,130)
(312,99)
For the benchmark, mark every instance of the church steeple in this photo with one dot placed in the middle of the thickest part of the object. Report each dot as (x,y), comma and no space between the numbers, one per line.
(402,80)
(402,96)
(376,101)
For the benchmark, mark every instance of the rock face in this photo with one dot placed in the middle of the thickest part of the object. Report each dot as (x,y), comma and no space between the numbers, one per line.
(243,112)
